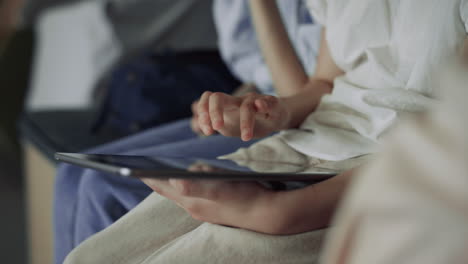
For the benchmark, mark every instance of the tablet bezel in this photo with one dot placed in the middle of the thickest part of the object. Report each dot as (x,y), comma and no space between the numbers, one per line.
(177,173)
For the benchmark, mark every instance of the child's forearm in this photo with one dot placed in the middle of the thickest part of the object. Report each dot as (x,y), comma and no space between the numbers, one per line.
(305,102)
(309,208)
(289,76)
(307,99)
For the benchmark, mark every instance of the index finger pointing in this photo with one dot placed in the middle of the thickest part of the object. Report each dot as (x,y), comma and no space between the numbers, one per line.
(216,110)
(247,118)
(203,114)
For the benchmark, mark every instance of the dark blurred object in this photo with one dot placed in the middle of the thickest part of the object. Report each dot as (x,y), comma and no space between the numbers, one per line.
(9,11)
(63,130)
(15,62)
(15,65)
(43,133)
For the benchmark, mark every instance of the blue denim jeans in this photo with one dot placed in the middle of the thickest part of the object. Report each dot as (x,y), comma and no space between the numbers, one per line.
(87,201)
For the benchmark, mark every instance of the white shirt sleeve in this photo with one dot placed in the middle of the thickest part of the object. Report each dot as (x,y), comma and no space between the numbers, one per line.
(318,9)
(464,13)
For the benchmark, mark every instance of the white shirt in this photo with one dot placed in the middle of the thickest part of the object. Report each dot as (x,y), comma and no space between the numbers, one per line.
(411,205)
(389,51)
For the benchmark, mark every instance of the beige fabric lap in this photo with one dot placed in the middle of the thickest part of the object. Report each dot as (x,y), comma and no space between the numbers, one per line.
(158,231)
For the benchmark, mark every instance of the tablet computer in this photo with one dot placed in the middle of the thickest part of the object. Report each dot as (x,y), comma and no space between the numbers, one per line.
(193,168)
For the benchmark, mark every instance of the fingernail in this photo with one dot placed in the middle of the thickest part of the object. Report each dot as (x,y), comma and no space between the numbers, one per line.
(245,134)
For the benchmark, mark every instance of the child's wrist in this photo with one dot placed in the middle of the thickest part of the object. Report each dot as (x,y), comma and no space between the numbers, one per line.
(266,218)
(287,118)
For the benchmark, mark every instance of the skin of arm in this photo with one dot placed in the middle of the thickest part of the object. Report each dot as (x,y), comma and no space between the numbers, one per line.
(319,84)
(256,115)
(287,72)
(286,69)
(252,207)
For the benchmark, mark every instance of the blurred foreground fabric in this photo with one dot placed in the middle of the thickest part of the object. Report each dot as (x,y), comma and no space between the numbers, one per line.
(411,204)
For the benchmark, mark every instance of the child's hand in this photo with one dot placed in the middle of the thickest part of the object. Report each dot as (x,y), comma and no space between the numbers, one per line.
(194,121)
(250,116)
(250,206)
(238,204)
